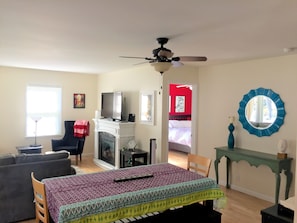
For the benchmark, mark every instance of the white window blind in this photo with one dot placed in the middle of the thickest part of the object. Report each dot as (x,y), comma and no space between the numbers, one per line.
(44,107)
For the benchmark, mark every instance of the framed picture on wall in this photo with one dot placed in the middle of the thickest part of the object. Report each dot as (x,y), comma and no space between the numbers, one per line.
(180,104)
(79,100)
(147,107)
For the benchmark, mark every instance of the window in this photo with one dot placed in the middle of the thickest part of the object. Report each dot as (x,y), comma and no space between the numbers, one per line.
(43,114)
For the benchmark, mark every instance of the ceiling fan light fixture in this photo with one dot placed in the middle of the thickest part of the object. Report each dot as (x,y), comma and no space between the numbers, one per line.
(165,53)
(161,67)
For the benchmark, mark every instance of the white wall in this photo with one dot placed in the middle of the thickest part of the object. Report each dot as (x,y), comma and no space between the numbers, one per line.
(221,88)
(13,82)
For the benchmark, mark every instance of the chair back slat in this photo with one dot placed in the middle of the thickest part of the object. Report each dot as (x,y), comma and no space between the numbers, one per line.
(199,164)
(41,210)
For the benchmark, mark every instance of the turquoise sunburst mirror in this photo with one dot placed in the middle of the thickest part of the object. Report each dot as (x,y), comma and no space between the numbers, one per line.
(261,112)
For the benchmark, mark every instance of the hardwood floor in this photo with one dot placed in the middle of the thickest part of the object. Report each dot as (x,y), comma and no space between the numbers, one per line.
(177,158)
(239,207)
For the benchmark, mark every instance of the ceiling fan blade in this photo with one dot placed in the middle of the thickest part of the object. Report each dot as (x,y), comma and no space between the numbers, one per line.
(189,58)
(141,63)
(185,86)
(145,58)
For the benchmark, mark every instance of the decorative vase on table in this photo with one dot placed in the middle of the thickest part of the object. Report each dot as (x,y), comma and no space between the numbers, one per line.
(231,136)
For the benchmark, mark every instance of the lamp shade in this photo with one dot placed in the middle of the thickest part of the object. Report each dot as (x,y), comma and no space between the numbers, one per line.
(161,67)
(36,118)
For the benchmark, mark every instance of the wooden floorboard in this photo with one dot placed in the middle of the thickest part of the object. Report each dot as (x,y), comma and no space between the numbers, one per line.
(239,207)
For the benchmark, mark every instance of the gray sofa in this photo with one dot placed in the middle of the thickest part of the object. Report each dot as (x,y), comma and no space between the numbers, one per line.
(16,192)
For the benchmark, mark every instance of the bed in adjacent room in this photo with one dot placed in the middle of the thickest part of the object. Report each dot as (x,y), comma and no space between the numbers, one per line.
(179,133)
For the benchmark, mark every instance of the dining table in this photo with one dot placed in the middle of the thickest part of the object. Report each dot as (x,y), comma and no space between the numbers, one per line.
(110,195)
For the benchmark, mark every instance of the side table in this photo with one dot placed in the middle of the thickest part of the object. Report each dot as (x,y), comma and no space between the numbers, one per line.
(29,149)
(272,215)
(133,157)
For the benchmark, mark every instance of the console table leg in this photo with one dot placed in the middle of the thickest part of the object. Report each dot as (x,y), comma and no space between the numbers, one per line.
(277,185)
(228,162)
(216,163)
(289,176)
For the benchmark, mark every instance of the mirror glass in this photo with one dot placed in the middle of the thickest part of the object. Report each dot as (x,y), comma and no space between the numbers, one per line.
(261,112)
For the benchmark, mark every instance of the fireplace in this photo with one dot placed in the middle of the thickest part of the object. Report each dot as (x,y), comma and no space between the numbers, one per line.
(110,138)
(106,148)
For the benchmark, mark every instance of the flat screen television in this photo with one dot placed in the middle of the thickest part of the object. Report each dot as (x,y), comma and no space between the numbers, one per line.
(112,105)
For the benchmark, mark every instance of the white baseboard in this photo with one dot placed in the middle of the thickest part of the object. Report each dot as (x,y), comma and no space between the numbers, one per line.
(250,192)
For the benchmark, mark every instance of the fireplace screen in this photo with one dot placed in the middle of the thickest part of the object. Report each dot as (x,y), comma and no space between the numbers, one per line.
(107,147)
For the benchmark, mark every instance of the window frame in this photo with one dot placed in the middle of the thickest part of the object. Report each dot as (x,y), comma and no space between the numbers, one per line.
(38,98)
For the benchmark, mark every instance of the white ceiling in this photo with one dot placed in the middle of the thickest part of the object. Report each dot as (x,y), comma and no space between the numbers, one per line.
(89,35)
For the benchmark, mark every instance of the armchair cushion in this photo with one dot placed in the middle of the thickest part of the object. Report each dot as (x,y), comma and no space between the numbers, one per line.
(71,149)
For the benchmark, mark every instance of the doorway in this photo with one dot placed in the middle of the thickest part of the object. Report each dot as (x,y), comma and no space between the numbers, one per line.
(180,129)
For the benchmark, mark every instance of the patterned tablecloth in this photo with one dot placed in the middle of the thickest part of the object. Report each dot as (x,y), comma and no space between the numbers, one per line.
(97,197)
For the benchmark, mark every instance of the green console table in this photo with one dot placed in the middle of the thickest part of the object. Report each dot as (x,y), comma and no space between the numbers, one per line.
(256,159)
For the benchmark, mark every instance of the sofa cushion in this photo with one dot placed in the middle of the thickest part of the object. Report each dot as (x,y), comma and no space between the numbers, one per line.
(28,158)
(7,159)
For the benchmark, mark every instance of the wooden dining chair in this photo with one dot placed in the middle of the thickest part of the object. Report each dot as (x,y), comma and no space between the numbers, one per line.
(199,164)
(41,209)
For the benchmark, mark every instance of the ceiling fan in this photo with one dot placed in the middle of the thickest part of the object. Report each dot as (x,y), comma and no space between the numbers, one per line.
(163,58)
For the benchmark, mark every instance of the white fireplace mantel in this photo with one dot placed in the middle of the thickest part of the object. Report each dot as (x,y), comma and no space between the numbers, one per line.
(123,133)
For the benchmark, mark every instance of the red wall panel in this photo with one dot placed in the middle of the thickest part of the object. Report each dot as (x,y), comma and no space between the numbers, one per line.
(180,91)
